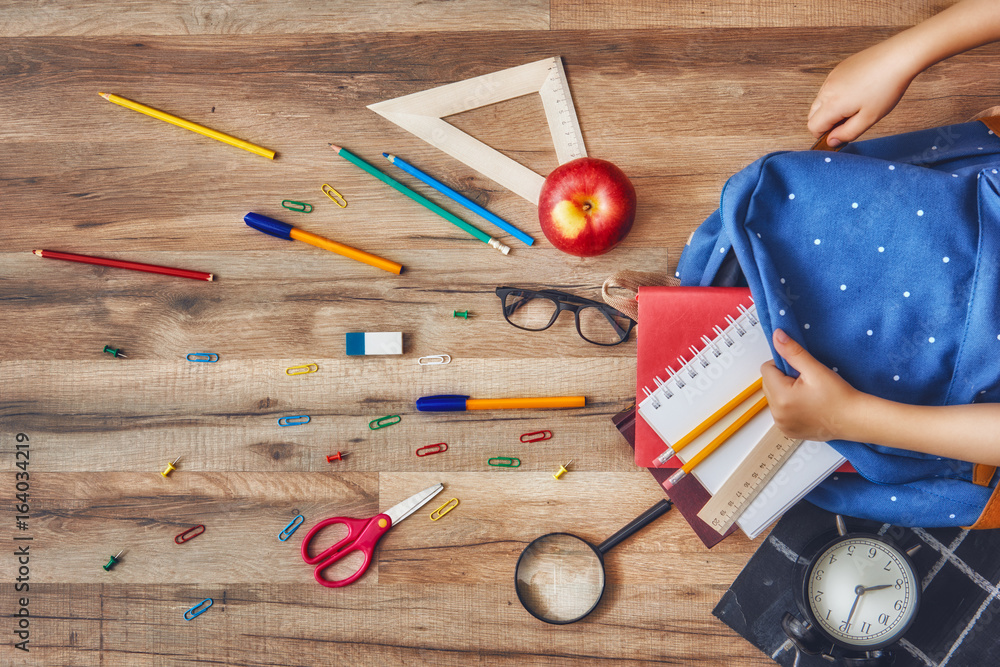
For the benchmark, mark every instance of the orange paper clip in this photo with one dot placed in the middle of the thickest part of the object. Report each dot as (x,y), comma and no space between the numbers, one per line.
(189,534)
(427,451)
(541,435)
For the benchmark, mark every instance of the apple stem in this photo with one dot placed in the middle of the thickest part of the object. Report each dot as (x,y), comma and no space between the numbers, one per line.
(587,206)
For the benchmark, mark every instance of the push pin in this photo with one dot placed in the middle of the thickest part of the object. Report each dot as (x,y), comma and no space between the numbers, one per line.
(113,561)
(335,457)
(562,470)
(113,352)
(170,467)
(464,314)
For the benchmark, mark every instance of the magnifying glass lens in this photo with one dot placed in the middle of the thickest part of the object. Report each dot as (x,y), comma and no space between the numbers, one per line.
(559,578)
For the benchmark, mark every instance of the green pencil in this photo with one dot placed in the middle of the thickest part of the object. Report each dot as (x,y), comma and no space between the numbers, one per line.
(420,199)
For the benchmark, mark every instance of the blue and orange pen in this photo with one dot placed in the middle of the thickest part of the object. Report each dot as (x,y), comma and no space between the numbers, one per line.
(283,230)
(455,403)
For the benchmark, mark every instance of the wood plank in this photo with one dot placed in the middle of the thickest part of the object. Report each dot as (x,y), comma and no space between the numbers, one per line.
(266,17)
(638,14)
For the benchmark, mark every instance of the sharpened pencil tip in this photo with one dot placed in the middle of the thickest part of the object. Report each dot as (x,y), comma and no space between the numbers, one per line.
(106,96)
(37,252)
(387,155)
(211,276)
(335,147)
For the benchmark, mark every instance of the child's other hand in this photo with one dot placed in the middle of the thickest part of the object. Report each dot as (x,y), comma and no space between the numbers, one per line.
(862,89)
(814,406)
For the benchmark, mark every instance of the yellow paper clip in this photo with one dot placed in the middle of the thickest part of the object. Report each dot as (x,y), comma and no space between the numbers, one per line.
(309,368)
(563,469)
(335,196)
(170,467)
(444,509)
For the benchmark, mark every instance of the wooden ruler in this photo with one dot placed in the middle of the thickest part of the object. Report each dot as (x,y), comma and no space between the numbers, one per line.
(748,480)
(423,114)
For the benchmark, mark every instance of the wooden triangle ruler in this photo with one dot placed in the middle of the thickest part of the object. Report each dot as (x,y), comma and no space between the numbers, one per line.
(423,114)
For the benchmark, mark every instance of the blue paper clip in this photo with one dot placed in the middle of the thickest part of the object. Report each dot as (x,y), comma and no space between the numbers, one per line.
(198,609)
(205,357)
(382,422)
(292,526)
(294,420)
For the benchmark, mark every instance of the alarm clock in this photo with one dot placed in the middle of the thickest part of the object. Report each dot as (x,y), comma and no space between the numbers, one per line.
(858,593)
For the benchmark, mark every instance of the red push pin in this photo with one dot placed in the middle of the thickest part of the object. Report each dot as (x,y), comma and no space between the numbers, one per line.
(335,457)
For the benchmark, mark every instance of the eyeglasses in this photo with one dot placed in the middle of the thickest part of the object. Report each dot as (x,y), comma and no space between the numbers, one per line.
(537,310)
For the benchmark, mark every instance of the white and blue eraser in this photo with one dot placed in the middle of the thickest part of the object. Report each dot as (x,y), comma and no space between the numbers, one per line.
(382,342)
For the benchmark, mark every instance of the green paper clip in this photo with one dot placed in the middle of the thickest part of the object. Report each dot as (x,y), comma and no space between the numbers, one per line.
(505,462)
(299,206)
(382,422)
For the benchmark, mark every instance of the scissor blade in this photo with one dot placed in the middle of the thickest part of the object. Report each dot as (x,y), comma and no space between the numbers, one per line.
(404,509)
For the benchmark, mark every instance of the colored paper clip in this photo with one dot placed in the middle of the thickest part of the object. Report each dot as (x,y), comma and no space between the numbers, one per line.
(541,435)
(299,206)
(189,534)
(335,196)
(292,526)
(294,420)
(505,462)
(309,368)
(198,609)
(113,561)
(444,509)
(172,466)
(563,469)
(382,422)
(434,360)
(441,447)
(114,352)
(335,457)
(204,357)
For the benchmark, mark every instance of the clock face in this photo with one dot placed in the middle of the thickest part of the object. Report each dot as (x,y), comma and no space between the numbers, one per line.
(862,592)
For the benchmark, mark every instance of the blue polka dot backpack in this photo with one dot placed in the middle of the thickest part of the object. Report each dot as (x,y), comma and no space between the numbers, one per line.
(882,260)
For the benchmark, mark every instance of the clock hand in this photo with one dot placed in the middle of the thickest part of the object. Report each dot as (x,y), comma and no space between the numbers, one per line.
(859,590)
(877,588)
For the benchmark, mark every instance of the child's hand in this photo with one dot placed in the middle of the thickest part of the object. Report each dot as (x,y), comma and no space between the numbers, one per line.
(814,406)
(862,89)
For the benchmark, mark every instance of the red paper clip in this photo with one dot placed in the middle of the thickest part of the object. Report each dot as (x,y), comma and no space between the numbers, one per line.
(185,536)
(335,457)
(542,435)
(441,447)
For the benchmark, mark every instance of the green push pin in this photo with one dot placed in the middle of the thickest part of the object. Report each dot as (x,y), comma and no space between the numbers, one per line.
(461,313)
(113,561)
(113,352)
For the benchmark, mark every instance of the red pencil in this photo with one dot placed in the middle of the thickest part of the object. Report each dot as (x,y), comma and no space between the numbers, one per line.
(135,266)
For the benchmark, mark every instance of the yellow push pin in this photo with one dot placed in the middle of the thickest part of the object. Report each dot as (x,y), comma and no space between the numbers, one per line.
(562,470)
(170,467)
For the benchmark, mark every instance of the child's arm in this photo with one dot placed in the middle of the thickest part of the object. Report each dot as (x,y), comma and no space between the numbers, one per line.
(820,405)
(866,86)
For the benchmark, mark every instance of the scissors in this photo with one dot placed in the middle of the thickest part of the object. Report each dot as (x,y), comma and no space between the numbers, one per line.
(362,535)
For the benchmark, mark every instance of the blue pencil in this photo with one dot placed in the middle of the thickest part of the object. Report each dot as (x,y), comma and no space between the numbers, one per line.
(460,198)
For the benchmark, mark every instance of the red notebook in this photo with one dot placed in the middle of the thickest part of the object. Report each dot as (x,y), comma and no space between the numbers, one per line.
(672,320)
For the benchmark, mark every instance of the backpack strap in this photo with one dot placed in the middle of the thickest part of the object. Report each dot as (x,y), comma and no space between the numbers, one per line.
(990,517)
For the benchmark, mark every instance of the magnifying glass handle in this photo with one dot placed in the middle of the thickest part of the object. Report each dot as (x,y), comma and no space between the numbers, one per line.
(637,524)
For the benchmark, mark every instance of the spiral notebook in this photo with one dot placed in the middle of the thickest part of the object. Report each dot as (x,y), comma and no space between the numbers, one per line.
(719,368)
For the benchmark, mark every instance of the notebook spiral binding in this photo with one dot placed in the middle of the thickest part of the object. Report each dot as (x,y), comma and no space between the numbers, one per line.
(702,359)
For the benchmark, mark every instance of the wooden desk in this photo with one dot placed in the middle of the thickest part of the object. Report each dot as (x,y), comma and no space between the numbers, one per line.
(679,97)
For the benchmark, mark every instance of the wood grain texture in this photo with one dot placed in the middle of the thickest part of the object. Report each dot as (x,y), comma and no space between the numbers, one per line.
(590,14)
(679,108)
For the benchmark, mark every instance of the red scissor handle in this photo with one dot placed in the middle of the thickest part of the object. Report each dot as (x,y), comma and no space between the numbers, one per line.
(362,535)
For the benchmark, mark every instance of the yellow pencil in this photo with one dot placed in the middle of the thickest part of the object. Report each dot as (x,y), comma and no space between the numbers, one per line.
(188,125)
(716,443)
(704,426)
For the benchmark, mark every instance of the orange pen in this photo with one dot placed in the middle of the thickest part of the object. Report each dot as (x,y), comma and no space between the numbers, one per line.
(283,230)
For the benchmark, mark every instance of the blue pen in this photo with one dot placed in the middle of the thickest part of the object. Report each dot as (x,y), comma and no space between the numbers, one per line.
(460,198)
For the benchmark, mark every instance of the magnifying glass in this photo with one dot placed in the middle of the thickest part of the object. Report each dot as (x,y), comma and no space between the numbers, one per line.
(560,577)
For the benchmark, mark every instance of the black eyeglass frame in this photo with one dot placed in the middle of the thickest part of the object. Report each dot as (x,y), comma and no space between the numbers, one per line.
(566,301)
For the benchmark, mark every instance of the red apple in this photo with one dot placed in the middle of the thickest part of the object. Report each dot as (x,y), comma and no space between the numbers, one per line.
(586,206)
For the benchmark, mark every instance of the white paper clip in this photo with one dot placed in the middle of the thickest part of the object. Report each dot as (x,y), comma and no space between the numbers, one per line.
(434,360)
